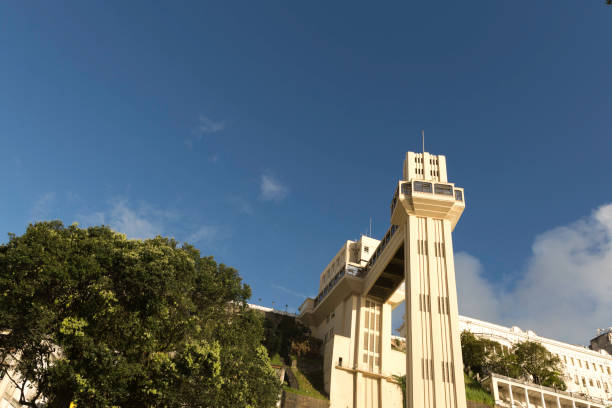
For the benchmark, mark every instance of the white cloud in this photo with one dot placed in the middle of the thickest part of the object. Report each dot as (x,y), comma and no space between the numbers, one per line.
(565,291)
(240,204)
(205,234)
(141,222)
(135,223)
(289,291)
(144,221)
(207,125)
(43,207)
(271,189)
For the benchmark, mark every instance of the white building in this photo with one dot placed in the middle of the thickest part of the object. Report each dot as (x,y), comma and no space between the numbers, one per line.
(586,372)
(368,278)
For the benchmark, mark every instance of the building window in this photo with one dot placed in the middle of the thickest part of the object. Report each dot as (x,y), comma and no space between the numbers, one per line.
(586,364)
(443,189)
(591,382)
(572,360)
(609,373)
(576,380)
(583,382)
(371,335)
(366,249)
(422,187)
(598,384)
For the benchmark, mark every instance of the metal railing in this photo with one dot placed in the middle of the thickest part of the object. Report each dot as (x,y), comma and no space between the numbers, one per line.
(347,270)
(579,395)
(381,247)
(425,187)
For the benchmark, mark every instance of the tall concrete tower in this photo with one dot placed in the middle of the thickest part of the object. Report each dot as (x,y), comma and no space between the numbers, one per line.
(426,207)
(367,278)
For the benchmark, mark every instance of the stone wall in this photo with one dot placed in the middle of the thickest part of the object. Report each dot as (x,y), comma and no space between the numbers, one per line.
(291,400)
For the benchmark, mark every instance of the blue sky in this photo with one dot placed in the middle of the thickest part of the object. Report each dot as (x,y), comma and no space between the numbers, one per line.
(268,133)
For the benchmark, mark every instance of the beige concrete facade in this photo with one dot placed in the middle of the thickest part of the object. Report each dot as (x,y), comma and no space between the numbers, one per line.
(512,393)
(587,373)
(368,278)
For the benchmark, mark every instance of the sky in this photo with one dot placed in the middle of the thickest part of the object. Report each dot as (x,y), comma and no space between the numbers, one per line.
(269,133)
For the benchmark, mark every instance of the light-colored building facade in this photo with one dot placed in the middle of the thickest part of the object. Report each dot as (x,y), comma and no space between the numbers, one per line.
(368,278)
(587,373)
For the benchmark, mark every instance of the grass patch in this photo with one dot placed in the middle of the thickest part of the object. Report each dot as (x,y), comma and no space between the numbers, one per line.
(306,387)
(305,393)
(475,392)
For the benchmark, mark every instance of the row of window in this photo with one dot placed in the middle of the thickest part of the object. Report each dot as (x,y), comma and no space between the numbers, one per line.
(592,383)
(381,246)
(586,364)
(371,334)
(431,160)
(330,270)
(425,304)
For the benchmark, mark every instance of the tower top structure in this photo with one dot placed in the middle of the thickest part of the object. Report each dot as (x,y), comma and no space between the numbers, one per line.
(424,166)
(424,190)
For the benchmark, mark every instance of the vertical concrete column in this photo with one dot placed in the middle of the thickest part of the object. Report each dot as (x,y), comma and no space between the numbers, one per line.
(359,388)
(386,388)
(527,398)
(543,399)
(495,389)
(426,166)
(414,338)
(455,334)
(511,395)
(573,404)
(436,333)
(358,396)
(354,332)
(385,339)
(558,402)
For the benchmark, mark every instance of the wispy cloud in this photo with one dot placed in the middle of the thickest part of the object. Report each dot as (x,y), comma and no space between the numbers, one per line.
(289,291)
(205,126)
(565,292)
(208,125)
(136,222)
(43,206)
(207,234)
(240,204)
(143,220)
(271,189)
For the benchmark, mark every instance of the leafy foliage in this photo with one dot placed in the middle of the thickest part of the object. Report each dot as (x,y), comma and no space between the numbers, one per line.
(285,336)
(538,363)
(475,392)
(92,317)
(528,360)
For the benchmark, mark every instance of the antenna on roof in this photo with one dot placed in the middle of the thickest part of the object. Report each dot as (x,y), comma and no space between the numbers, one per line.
(370,227)
(423,133)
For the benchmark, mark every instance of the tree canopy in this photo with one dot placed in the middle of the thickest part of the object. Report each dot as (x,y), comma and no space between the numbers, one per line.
(528,360)
(91,317)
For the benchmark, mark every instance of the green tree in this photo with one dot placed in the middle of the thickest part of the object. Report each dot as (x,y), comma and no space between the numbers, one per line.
(478,353)
(538,364)
(529,360)
(89,316)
